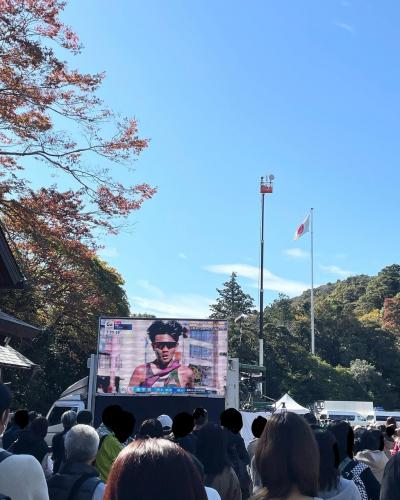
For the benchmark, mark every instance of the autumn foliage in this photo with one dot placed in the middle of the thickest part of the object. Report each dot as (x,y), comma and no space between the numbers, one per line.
(50,115)
(52,118)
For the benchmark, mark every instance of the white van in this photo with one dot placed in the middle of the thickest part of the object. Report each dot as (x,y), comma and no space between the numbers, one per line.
(72,402)
(382,416)
(351,417)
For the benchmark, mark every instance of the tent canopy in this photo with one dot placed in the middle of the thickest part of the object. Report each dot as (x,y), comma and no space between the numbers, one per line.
(286,403)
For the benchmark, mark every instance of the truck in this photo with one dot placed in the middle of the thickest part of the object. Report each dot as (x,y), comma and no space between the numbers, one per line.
(104,385)
(355,412)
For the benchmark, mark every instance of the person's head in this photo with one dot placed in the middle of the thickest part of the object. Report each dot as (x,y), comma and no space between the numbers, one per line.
(164,337)
(68,419)
(287,456)
(21,418)
(81,444)
(32,415)
(390,421)
(154,469)
(358,433)
(390,430)
(182,424)
(211,449)
(310,418)
(258,425)
(344,437)
(328,459)
(372,439)
(39,427)
(150,428)
(166,423)
(5,402)
(84,417)
(124,426)
(110,416)
(232,420)
(200,416)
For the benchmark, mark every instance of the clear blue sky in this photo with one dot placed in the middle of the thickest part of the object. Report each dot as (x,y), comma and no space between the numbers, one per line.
(228,91)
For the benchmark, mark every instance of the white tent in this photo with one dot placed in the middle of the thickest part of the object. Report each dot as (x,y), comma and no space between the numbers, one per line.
(286,403)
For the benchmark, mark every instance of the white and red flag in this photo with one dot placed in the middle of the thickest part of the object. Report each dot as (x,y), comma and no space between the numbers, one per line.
(303,228)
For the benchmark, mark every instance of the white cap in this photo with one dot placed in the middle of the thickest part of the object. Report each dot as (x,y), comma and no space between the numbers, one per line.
(165,421)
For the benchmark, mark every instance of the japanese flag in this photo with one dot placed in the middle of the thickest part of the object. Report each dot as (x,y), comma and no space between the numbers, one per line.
(303,228)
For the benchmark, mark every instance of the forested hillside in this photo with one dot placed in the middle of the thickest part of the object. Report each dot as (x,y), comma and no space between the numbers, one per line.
(357,341)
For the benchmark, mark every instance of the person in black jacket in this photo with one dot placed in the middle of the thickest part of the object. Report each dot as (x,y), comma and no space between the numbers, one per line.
(350,468)
(232,423)
(68,419)
(20,422)
(78,479)
(390,488)
(31,440)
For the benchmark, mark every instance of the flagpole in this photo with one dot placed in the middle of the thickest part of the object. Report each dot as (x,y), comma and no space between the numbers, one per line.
(312,283)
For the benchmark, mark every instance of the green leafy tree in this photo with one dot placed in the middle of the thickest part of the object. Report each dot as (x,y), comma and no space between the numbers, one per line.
(385,285)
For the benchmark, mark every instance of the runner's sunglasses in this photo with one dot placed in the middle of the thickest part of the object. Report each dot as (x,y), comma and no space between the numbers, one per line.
(168,345)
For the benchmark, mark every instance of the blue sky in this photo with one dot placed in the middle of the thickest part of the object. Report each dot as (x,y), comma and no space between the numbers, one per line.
(228,91)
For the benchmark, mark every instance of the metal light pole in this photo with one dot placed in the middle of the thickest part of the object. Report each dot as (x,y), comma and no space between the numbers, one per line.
(265,188)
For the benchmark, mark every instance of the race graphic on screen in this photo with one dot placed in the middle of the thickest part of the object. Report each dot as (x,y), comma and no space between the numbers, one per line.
(162,357)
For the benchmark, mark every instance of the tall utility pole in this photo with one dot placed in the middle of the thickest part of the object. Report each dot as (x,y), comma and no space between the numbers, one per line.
(265,188)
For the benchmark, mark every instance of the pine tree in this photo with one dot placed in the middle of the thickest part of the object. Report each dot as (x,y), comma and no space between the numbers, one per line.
(231,303)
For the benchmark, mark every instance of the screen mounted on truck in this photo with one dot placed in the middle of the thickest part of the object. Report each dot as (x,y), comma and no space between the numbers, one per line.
(162,357)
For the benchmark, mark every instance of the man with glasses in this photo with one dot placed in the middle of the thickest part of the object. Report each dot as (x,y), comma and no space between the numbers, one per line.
(166,370)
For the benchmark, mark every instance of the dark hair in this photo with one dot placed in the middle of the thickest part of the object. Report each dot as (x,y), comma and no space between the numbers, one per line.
(110,415)
(232,420)
(21,418)
(32,415)
(287,457)
(211,449)
(372,440)
(391,430)
(391,421)
(310,418)
(258,426)
(328,460)
(154,469)
(200,416)
(344,435)
(172,328)
(39,426)
(358,433)
(5,398)
(124,426)
(150,428)
(84,417)
(182,424)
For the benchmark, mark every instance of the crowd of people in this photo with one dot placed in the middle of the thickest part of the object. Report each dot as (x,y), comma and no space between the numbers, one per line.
(187,457)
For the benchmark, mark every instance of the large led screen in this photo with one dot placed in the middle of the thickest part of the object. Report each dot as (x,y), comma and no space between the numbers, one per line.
(162,357)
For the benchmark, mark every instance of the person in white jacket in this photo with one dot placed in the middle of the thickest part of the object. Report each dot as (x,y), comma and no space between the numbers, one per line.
(21,476)
(331,485)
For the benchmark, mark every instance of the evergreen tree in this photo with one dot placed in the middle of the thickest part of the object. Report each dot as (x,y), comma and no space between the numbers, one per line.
(231,303)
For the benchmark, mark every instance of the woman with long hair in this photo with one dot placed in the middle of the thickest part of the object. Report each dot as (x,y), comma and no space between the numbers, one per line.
(287,459)
(152,469)
(331,485)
